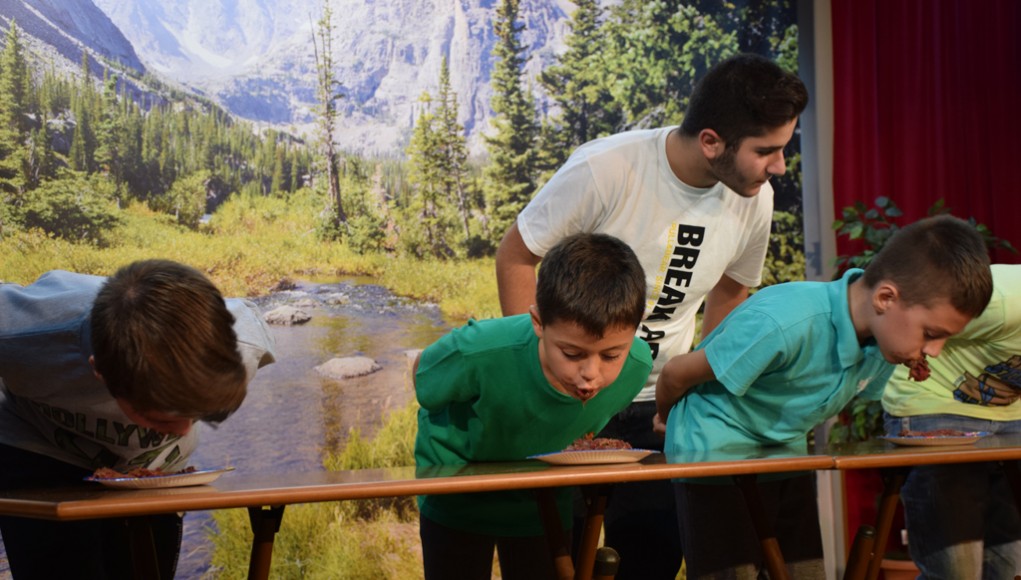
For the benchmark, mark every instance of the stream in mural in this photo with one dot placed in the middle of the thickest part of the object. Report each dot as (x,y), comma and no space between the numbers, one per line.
(292,415)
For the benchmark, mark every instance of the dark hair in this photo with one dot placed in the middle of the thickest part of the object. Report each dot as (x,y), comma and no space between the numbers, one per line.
(936,258)
(745,95)
(163,340)
(593,280)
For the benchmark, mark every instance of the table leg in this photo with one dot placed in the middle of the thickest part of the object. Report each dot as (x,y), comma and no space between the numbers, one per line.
(555,536)
(265,524)
(607,563)
(861,553)
(1013,472)
(144,562)
(767,537)
(595,502)
(893,479)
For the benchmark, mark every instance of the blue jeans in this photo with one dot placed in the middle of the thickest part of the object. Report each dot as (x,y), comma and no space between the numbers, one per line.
(962,519)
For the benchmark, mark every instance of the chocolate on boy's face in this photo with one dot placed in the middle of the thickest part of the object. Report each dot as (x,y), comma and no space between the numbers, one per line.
(905,333)
(578,364)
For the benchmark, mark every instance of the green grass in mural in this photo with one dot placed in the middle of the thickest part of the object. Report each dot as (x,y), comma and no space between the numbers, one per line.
(249,246)
(370,539)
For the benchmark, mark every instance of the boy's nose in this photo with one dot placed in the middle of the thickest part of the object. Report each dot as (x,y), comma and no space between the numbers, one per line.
(589,369)
(934,347)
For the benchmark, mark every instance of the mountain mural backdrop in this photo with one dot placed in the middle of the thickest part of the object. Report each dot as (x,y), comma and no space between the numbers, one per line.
(256,57)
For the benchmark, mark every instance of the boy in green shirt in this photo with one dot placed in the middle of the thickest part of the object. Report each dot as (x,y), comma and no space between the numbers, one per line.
(508,388)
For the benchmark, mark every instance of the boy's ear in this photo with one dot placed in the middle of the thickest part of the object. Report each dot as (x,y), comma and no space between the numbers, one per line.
(884,296)
(711,143)
(536,321)
(92,363)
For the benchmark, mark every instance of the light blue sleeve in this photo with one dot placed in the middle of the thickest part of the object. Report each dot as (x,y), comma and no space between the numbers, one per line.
(255,343)
(747,344)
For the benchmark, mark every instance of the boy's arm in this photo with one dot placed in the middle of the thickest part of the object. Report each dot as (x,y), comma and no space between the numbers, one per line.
(679,375)
(442,375)
(515,273)
(719,301)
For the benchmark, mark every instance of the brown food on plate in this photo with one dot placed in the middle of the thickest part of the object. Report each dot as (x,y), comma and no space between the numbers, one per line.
(108,473)
(590,442)
(919,369)
(936,433)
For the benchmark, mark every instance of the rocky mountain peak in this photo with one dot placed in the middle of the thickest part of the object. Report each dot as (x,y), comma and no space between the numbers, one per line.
(256,57)
(59,31)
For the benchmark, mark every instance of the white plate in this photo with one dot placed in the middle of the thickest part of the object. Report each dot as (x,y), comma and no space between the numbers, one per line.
(590,456)
(965,439)
(157,481)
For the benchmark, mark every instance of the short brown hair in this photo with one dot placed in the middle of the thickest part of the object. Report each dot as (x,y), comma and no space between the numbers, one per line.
(163,340)
(746,95)
(593,280)
(936,258)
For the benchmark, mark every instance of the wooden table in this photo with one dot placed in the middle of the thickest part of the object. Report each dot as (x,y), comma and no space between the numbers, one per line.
(266,496)
(894,463)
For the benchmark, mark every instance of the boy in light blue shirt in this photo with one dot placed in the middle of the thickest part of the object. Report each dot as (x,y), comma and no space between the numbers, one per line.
(795,354)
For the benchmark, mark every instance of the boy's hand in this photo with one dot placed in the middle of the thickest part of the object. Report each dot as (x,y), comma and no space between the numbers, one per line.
(659,425)
(678,376)
(985,390)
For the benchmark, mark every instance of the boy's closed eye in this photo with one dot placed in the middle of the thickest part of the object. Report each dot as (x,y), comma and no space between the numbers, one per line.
(608,356)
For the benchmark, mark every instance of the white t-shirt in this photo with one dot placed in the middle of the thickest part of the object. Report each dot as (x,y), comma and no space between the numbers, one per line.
(685,237)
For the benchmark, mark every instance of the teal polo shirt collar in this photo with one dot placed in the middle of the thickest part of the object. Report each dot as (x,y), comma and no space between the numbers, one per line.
(849,352)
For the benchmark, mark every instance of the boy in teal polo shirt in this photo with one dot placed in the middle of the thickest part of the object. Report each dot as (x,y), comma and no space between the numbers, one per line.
(508,388)
(795,354)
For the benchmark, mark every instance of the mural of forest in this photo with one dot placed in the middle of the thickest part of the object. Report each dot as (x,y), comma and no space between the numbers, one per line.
(95,173)
(75,152)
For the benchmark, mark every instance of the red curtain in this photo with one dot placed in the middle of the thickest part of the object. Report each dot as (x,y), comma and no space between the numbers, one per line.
(927,99)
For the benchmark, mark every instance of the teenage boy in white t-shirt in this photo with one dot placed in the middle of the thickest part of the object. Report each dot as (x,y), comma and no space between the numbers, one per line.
(695,204)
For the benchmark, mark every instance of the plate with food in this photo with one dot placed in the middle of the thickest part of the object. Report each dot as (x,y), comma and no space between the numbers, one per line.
(937,437)
(590,450)
(141,478)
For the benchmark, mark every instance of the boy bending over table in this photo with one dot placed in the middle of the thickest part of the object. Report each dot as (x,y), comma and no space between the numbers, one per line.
(508,388)
(961,518)
(790,357)
(113,372)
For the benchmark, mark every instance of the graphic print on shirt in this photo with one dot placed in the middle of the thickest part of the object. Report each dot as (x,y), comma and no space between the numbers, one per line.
(94,438)
(676,276)
(995,380)
(68,442)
